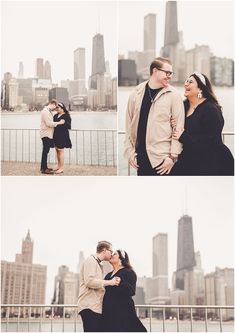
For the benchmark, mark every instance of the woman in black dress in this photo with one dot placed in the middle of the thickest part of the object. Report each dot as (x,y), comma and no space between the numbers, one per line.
(61,135)
(203,150)
(118,312)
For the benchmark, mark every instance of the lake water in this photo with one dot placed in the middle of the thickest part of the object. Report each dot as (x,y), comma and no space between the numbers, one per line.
(226,99)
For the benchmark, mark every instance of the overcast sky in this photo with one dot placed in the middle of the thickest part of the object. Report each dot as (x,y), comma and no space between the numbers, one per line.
(71,215)
(202,22)
(52,30)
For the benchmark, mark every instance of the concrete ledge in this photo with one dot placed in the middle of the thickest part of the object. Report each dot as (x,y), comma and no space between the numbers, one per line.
(32,169)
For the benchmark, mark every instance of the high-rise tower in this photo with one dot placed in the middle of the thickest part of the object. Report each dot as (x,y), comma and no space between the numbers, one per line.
(98,60)
(171,28)
(185,249)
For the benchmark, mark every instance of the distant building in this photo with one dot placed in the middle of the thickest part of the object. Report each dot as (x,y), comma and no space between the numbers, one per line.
(222,71)
(219,290)
(98,60)
(66,289)
(21,70)
(79,70)
(199,59)
(127,72)
(60,94)
(22,281)
(47,71)
(41,96)
(149,39)
(160,269)
(25,90)
(39,68)
(81,260)
(185,249)
(114,93)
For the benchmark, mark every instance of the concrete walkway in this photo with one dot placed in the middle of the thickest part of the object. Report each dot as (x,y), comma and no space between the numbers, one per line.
(32,169)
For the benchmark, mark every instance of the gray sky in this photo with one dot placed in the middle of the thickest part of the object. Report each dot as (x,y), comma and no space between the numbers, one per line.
(53,30)
(202,22)
(74,213)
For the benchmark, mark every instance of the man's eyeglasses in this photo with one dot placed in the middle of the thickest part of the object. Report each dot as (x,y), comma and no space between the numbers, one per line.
(168,73)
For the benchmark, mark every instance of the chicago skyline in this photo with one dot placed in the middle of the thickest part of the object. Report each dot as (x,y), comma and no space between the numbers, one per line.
(58,42)
(132,231)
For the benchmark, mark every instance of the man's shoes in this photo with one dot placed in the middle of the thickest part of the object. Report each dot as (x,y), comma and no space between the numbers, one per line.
(47,171)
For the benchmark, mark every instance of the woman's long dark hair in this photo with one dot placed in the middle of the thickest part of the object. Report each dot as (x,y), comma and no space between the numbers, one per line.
(125,260)
(67,113)
(207,92)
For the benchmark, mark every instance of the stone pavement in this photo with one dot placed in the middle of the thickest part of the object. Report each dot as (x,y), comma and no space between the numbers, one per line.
(32,169)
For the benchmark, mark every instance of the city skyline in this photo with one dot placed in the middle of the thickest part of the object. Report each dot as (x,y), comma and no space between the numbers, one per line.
(68,20)
(190,13)
(57,227)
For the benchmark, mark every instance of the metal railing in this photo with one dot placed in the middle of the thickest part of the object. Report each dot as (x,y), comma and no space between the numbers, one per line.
(65,318)
(89,147)
(225,136)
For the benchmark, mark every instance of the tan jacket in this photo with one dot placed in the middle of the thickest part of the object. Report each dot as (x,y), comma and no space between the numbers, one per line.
(91,289)
(47,123)
(159,142)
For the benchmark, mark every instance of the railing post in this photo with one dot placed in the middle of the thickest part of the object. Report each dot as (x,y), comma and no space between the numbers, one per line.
(206,323)
(9,145)
(83,147)
(7,314)
(178,318)
(163,321)
(40,323)
(52,317)
(150,318)
(22,145)
(113,148)
(18,319)
(3,135)
(75,319)
(220,320)
(105,141)
(29,314)
(98,147)
(29,142)
(16,131)
(35,145)
(191,319)
(63,318)
(76,147)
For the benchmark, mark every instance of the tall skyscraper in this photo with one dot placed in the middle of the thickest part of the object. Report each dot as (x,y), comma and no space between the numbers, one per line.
(98,62)
(66,288)
(160,269)
(185,249)
(98,59)
(81,260)
(171,28)
(39,68)
(47,70)
(22,281)
(79,70)
(149,38)
(79,64)
(21,70)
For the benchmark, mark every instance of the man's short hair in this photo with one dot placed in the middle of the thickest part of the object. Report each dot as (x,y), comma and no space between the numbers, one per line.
(102,245)
(158,63)
(53,101)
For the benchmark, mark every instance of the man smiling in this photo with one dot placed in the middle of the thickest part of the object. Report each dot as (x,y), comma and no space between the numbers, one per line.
(149,146)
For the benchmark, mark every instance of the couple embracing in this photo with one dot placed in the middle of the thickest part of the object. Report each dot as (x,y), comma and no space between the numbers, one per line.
(54,132)
(106,304)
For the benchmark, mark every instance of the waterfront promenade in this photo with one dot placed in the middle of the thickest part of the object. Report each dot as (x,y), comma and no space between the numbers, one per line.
(32,169)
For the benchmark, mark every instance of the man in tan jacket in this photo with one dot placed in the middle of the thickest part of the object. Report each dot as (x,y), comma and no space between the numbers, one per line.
(149,146)
(91,289)
(46,133)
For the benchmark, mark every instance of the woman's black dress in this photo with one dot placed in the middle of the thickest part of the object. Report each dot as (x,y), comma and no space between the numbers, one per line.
(61,132)
(203,150)
(118,312)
